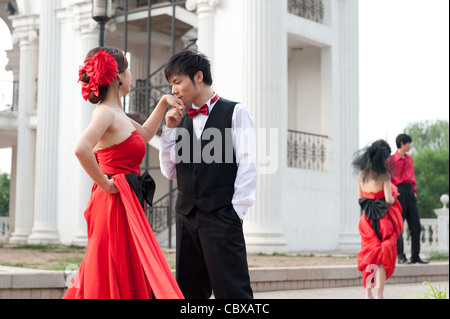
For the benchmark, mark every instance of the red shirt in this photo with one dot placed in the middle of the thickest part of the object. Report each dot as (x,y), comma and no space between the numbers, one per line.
(404,170)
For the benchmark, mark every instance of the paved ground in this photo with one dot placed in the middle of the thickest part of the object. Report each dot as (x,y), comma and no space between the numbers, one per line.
(395,291)
(58,257)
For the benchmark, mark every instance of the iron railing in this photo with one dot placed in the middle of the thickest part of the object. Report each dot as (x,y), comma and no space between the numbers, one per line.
(161,215)
(309,9)
(133,5)
(145,98)
(147,91)
(307,150)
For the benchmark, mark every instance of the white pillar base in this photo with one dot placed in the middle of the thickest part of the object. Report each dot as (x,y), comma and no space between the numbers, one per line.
(44,236)
(349,241)
(80,240)
(265,242)
(19,238)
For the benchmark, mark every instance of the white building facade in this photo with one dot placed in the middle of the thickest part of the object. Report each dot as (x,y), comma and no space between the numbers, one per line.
(292,63)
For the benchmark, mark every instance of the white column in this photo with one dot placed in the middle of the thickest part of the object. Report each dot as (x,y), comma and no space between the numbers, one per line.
(46,188)
(205,11)
(349,238)
(89,40)
(264,60)
(25,34)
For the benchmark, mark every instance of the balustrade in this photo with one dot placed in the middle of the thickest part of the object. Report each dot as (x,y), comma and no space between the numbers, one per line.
(8,95)
(309,9)
(4,229)
(434,234)
(306,150)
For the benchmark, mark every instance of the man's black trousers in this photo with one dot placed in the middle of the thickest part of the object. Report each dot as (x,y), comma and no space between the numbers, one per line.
(211,255)
(410,212)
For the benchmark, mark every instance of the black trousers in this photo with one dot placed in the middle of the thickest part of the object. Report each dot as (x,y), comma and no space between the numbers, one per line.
(211,255)
(410,212)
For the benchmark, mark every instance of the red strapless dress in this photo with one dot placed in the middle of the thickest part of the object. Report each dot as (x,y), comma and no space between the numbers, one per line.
(373,250)
(123,258)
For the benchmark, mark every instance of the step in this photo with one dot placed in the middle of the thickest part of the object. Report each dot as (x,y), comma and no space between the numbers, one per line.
(22,283)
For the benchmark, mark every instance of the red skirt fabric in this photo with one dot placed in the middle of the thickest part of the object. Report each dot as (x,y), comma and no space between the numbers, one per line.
(375,251)
(123,258)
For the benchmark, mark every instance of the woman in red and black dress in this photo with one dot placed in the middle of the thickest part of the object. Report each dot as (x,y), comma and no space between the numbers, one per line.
(381,221)
(123,258)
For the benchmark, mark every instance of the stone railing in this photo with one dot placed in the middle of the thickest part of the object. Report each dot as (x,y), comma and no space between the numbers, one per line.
(8,95)
(4,229)
(434,235)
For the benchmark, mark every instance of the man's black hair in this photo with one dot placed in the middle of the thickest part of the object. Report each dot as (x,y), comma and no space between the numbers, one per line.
(402,138)
(188,63)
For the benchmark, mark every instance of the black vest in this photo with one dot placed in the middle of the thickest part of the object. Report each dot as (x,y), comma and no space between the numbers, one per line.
(206,167)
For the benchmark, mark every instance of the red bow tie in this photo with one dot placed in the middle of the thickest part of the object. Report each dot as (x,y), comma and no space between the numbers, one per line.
(193,112)
(204,109)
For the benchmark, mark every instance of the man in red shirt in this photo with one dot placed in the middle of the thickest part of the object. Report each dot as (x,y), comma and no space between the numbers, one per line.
(405,179)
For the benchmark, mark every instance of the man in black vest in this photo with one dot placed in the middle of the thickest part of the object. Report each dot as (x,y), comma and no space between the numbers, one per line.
(210,151)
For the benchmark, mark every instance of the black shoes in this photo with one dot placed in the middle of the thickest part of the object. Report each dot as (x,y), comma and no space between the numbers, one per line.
(418,260)
(403,260)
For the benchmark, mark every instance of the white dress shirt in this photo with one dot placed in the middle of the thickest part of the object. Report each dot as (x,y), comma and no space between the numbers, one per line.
(243,134)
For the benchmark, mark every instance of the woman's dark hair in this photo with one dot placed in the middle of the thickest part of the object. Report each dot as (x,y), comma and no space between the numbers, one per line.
(402,138)
(188,63)
(122,64)
(372,161)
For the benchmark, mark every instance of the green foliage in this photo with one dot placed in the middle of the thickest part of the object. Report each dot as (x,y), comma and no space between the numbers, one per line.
(430,152)
(4,195)
(54,248)
(432,292)
(428,135)
(432,175)
(438,255)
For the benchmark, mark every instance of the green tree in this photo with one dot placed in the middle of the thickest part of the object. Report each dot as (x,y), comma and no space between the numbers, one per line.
(4,194)
(430,151)
(428,135)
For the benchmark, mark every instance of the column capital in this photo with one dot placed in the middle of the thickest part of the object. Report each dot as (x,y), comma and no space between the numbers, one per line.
(25,28)
(79,15)
(192,5)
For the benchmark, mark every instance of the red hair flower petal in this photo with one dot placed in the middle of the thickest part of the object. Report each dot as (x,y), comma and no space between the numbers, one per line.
(102,69)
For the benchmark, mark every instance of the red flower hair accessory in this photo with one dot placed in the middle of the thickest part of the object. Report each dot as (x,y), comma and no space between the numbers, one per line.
(102,69)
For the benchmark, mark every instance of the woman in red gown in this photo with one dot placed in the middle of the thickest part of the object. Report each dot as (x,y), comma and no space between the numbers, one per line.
(123,258)
(381,221)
